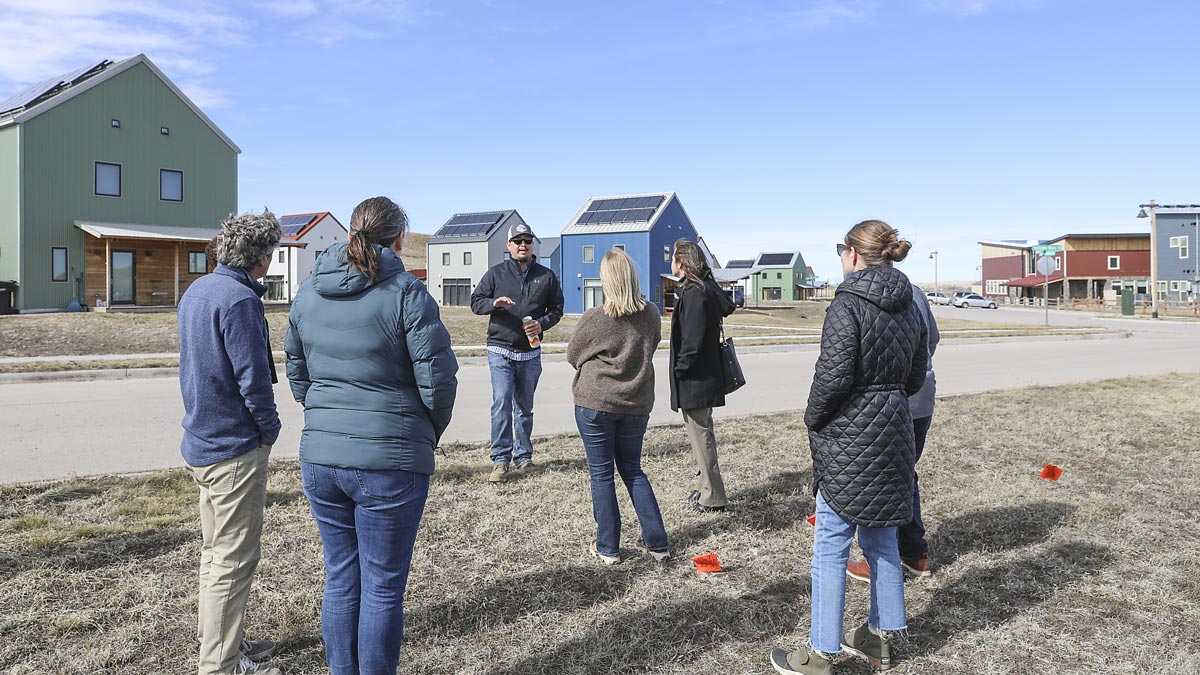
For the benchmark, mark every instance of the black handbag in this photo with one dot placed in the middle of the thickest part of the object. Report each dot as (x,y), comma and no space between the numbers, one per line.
(732,377)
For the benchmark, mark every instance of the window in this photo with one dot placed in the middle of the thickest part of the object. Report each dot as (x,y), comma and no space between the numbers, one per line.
(170,185)
(466,257)
(116,123)
(1174,286)
(666,254)
(764,275)
(779,275)
(619,247)
(1114,262)
(445,259)
(165,131)
(108,179)
(1162,290)
(197,263)
(1057,263)
(281,255)
(58,264)
(1183,248)
(589,254)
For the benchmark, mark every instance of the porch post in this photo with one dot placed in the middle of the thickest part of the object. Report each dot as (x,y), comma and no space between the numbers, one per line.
(176,274)
(107,273)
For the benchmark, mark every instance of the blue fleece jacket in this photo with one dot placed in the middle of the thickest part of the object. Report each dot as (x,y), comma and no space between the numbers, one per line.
(225,368)
(371,362)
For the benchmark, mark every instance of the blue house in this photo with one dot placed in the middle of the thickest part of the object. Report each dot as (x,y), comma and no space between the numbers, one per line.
(550,255)
(644,226)
(1178,247)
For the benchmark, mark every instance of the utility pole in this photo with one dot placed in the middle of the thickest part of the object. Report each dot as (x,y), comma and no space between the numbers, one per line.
(1153,205)
(933,256)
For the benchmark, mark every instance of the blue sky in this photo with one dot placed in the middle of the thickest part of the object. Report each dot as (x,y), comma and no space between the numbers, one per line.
(779,124)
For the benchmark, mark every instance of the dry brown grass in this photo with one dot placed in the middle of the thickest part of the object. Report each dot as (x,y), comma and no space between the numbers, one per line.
(1087,575)
(121,333)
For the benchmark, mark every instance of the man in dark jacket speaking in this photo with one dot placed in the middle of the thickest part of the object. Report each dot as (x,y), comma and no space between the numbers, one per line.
(510,292)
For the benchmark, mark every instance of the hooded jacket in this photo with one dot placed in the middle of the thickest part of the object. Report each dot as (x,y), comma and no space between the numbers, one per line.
(873,357)
(696,345)
(539,295)
(372,365)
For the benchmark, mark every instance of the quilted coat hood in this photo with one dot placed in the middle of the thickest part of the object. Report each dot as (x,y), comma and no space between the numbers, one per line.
(883,286)
(333,276)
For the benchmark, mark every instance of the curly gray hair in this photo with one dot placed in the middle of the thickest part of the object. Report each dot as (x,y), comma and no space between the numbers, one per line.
(246,239)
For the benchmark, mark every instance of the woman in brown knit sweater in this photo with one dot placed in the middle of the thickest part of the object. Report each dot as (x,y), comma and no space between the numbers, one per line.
(612,352)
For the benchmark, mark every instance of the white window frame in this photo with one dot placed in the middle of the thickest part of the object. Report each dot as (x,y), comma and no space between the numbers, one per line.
(1183,249)
(1173,242)
(1057,263)
(619,247)
(66,271)
(446,259)
(1175,286)
(162,172)
(589,253)
(203,262)
(1114,262)
(466,257)
(282,255)
(96,179)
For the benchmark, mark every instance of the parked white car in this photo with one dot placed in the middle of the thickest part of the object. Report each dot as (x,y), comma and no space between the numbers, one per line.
(937,298)
(974,300)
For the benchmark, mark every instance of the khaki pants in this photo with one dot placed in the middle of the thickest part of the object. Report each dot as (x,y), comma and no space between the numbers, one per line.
(699,425)
(233,495)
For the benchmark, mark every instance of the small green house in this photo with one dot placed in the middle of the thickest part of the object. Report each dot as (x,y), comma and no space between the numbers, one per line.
(111,183)
(779,276)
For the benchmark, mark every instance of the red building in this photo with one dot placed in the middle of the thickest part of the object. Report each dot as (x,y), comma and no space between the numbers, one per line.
(1089,266)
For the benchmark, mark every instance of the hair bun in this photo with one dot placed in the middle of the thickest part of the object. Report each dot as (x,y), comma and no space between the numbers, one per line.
(898,250)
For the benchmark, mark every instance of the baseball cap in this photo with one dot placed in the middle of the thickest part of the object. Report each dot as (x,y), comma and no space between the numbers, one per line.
(518,230)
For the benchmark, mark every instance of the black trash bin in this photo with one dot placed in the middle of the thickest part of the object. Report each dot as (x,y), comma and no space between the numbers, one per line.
(8,297)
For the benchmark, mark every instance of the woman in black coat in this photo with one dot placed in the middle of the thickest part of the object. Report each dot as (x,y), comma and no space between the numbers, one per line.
(873,357)
(696,385)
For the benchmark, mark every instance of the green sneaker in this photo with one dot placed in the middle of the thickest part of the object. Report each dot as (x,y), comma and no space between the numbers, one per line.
(806,661)
(877,650)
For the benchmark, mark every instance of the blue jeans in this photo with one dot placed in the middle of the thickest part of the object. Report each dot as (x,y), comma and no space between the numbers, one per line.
(513,384)
(368,522)
(831,551)
(614,438)
(912,535)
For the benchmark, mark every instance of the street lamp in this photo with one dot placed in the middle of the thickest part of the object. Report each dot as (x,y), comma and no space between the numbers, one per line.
(1153,205)
(933,257)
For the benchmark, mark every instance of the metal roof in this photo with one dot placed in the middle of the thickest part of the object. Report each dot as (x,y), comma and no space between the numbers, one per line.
(636,210)
(746,264)
(158,232)
(83,84)
(728,274)
(549,246)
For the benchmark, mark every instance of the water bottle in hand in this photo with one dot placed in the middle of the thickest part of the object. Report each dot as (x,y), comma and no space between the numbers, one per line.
(534,340)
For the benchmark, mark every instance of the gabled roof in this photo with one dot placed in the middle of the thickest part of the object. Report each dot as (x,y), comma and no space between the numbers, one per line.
(52,93)
(465,228)
(711,259)
(622,213)
(787,259)
(549,246)
(296,225)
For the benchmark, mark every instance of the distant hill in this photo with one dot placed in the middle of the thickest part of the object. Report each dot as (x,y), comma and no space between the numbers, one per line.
(413,254)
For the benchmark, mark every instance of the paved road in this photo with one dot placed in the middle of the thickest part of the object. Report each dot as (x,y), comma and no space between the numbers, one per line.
(56,429)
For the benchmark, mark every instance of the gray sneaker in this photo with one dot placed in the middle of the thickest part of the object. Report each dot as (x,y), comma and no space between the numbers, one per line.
(247,667)
(876,649)
(259,650)
(806,661)
(499,474)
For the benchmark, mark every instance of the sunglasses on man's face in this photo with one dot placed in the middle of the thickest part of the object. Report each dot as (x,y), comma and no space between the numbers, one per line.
(522,242)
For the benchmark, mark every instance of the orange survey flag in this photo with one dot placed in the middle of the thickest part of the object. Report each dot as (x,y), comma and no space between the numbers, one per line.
(707,563)
(1051,472)
(812,520)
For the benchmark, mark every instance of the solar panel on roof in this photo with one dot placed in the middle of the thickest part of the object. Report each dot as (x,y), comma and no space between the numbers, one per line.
(295,220)
(290,230)
(775,259)
(740,264)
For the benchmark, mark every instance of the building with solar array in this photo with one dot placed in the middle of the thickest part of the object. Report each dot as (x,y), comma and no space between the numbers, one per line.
(779,276)
(111,182)
(464,248)
(645,226)
(311,233)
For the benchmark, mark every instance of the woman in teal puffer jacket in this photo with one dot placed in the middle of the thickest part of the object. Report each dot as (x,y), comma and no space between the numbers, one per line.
(370,360)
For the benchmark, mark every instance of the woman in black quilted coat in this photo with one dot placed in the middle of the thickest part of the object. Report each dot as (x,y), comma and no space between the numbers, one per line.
(873,358)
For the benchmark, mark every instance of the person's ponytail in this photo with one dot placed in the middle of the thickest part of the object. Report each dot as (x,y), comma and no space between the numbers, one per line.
(361,254)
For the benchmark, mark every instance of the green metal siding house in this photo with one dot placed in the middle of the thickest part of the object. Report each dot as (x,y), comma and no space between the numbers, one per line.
(111,183)
(779,276)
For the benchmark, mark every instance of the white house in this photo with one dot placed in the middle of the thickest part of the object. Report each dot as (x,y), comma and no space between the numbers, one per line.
(463,249)
(292,264)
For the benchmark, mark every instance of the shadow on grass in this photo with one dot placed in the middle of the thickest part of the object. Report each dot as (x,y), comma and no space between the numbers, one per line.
(634,642)
(757,508)
(284,497)
(997,529)
(502,603)
(989,596)
(93,554)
